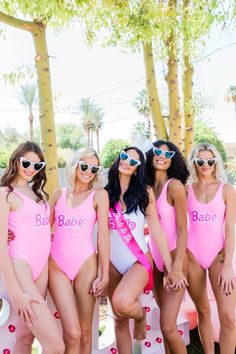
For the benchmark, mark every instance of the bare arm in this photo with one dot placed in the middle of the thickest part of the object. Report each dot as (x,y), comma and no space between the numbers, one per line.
(102,206)
(178,195)
(53,201)
(157,232)
(226,276)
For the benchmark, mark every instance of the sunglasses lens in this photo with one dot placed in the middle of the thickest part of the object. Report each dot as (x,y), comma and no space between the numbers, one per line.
(38,166)
(25,163)
(157,151)
(169,154)
(133,162)
(83,167)
(200,162)
(211,162)
(123,155)
(95,170)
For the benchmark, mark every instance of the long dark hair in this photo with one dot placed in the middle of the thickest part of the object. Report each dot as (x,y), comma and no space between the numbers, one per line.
(178,168)
(11,172)
(136,194)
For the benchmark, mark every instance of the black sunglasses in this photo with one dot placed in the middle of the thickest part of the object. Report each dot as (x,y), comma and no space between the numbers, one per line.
(201,162)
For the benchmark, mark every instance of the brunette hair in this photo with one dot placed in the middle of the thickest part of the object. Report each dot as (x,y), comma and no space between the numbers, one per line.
(38,181)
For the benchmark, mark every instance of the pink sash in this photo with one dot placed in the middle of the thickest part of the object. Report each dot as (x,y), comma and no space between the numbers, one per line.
(129,240)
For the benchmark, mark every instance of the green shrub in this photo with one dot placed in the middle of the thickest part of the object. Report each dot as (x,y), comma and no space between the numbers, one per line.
(111,150)
(205,133)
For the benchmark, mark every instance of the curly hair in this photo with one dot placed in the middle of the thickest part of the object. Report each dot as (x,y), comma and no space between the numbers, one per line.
(38,181)
(136,195)
(178,168)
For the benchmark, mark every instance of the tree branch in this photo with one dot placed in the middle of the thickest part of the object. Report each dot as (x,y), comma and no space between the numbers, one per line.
(17,23)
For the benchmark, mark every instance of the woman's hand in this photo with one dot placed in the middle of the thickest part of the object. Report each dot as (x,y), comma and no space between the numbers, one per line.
(226,279)
(99,287)
(11,236)
(175,280)
(22,305)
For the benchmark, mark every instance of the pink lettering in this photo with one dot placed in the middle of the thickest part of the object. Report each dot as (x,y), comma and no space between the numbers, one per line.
(73,221)
(131,224)
(41,220)
(203,217)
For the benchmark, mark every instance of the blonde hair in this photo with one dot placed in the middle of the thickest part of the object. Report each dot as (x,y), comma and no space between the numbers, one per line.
(72,165)
(218,173)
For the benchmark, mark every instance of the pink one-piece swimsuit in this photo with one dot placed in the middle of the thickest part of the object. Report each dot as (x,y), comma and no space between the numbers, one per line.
(206,227)
(73,235)
(167,219)
(31,227)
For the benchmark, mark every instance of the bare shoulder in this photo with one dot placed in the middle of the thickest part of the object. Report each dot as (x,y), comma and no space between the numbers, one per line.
(56,195)
(3,191)
(6,196)
(229,190)
(176,186)
(101,194)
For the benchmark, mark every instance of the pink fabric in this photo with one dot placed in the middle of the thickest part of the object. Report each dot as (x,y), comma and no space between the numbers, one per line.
(73,235)
(32,241)
(206,227)
(166,215)
(126,235)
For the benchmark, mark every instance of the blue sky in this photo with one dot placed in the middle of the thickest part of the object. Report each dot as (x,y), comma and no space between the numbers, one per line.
(112,79)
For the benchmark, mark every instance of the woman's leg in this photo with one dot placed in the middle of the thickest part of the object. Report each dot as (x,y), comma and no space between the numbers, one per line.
(169,303)
(24,337)
(122,332)
(86,301)
(226,305)
(45,328)
(198,292)
(61,290)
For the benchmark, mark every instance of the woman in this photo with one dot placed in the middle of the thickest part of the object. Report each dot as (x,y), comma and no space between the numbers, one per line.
(211,241)
(25,211)
(74,277)
(167,174)
(131,200)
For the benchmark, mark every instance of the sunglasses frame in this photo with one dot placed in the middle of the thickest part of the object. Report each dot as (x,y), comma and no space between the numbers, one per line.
(163,152)
(205,161)
(32,164)
(90,167)
(129,159)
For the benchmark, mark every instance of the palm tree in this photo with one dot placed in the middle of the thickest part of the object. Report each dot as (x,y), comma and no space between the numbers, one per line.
(85,109)
(28,97)
(142,104)
(98,122)
(140,129)
(91,116)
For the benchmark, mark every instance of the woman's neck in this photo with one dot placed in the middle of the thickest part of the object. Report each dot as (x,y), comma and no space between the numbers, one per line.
(81,187)
(20,183)
(206,180)
(160,178)
(124,183)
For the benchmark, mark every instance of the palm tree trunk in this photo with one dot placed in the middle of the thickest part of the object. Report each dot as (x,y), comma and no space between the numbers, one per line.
(91,137)
(31,129)
(97,135)
(88,135)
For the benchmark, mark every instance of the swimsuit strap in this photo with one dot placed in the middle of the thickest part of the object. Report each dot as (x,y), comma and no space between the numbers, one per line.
(166,185)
